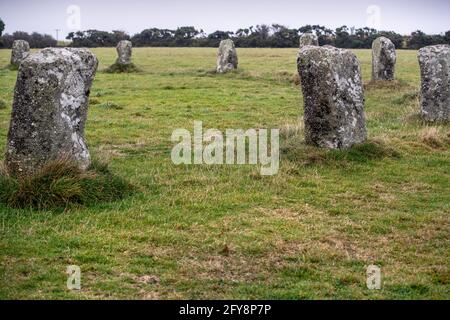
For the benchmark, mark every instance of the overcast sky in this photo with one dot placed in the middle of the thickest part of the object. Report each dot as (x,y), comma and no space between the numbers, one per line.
(132,16)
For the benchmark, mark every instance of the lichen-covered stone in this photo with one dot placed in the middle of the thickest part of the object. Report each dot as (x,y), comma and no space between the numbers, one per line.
(124,52)
(333,97)
(50,109)
(227,58)
(384,58)
(20,50)
(435,89)
(308,39)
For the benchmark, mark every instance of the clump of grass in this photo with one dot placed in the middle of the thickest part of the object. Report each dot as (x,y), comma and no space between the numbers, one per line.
(289,77)
(294,148)
(12,67)
(206,72)
(123,68)
(370,150)
(392,85)
(406,97)
(94,101)
(431,137)
(111,105)
(289,130)
(2,104)
(101,93)
(296,79)
(60,184)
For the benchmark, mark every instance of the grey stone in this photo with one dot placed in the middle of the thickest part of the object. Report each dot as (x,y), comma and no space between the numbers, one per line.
(124,52)
(308,39)
(227,58)
(50,109)
(435,89)
(20,50)
(384,58)
(333,97)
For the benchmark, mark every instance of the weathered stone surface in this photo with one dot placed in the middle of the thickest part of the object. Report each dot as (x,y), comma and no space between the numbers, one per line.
(308,39)
(333,96)
(384,58)
(435,89)
(227,58)
(20,50)
(124,52)
(50,109)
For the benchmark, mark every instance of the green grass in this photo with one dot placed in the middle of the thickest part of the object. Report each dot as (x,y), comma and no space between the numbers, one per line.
(224,231)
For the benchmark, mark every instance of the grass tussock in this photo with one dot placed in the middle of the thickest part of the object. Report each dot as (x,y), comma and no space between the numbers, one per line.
(110,105)
(123,68)
(407,98)
(60,184)
(2,104)
(94,101)
(370,150)
(433,138)
(294,149)
(391,85)
(296,79)
(12,67)
(292,131)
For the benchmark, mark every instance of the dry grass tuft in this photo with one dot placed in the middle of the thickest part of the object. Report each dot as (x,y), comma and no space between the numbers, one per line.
(296,79)
(432,137)
(289,130)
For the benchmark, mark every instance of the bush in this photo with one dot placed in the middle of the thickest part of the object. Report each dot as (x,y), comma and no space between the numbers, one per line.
(60,184)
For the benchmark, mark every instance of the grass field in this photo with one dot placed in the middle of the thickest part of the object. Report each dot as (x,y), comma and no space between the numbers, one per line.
(224,231)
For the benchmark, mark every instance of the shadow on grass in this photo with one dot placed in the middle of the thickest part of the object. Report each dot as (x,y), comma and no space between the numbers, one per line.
(61,184)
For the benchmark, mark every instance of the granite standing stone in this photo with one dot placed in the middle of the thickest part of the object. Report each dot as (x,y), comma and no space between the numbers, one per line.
(124,52)
(333,97)
(435,89)
(308,39)
(227,58)
(384,58)
(50,109)
(20,50)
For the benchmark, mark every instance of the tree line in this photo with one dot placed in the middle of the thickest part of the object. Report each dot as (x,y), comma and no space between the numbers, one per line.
(260,36)
(272,36)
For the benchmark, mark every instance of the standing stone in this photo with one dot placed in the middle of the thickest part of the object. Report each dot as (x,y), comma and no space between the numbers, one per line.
(50,109)
(124,51)
(333,97)
(308,39)
(20,50)
(383,60)
(435,89)
(227,58)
